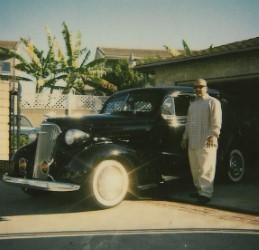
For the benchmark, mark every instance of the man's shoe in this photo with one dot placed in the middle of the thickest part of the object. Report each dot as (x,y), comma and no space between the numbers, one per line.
(194,195)
(203,199)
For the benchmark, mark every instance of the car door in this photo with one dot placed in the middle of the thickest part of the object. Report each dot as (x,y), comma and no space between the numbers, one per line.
(173,113)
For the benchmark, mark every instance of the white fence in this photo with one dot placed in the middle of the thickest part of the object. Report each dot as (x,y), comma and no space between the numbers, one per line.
(60,101)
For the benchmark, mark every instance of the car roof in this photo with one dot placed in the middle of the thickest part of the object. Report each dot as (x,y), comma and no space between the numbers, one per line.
(165,89)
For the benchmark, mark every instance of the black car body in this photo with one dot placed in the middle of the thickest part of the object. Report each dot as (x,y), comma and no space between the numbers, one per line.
(132,144)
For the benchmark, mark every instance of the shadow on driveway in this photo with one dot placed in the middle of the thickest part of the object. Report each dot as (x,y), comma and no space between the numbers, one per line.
(242,197)
(236,197)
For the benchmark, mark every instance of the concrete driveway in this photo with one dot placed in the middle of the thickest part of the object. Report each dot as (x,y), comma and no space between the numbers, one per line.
(164,218)
(240,197)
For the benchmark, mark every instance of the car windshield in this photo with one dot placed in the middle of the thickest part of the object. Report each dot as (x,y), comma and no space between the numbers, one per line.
(141,102)
(24,122)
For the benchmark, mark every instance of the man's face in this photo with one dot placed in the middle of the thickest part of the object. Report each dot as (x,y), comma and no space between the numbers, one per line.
(199,90)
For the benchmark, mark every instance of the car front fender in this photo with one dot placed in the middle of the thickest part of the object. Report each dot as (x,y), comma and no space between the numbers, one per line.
(143,167)
(89,157)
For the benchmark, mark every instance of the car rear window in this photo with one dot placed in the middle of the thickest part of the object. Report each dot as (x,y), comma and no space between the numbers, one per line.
(139,102)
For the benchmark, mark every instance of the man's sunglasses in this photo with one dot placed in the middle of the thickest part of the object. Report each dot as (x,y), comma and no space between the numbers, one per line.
(198,87)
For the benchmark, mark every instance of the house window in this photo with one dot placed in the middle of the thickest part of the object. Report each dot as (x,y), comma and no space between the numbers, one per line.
(5,67)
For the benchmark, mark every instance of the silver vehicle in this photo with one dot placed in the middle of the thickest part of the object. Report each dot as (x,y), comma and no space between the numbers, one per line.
(28,133)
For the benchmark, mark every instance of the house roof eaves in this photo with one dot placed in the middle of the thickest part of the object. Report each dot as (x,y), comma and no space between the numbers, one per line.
(191,58)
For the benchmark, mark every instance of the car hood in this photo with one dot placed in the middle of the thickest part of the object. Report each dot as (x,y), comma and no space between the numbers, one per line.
(102,122)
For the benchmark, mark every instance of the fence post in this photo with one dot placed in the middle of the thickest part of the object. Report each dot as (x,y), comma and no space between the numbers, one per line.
(67,105)
(70,100)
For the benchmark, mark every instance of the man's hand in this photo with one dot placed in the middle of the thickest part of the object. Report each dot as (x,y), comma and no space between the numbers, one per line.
(211,141)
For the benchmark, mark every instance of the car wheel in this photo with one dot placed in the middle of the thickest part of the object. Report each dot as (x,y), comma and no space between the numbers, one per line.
(109,183)
(236,165)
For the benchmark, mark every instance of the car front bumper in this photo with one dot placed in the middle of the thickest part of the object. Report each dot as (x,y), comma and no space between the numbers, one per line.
(41,184)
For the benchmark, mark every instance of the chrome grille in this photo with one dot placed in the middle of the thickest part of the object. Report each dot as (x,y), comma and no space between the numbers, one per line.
(45,147)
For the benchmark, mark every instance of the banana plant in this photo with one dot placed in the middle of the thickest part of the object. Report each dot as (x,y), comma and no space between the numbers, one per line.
(35,66)
(45,70)
(78,71)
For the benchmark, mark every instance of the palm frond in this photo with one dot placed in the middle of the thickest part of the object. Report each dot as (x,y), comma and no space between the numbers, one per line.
(60,54)
(97,62)
(86,57)
(49,36)
(33,48)
(101,83)
(25,67)
(77,49)
(186,48)
(173,52)
(12,53)
(68,43)
(29,49)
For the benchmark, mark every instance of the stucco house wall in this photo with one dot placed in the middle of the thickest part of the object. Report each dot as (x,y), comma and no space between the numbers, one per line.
(228,66)
(235,63)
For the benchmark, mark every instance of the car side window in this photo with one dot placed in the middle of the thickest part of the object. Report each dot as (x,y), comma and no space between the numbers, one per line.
(182,103)
(142,106)
(176,105)
(134,103)
(115,104)
(168,106)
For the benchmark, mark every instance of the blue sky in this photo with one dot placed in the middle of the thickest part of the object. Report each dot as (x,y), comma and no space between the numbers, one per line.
(145,24)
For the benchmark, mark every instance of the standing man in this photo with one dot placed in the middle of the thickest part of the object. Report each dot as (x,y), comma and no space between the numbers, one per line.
(201,133)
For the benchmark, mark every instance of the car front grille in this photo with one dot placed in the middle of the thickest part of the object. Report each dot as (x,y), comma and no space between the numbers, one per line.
(45,148)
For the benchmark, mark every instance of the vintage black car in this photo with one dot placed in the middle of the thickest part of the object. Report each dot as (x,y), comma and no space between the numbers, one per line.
(132,144)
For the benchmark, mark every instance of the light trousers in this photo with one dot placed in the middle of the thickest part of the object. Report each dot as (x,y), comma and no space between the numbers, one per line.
(203,168)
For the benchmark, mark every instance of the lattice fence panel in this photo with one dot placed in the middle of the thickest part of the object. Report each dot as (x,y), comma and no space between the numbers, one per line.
(89,102)
(59,101)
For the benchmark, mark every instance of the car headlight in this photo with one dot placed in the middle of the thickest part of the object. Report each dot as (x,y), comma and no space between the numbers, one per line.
(75,135)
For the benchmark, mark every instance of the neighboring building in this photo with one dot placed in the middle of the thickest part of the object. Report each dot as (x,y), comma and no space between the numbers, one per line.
(4,120)
(117,53)
(234,63)
(6,100)
(6,62)
(132,55)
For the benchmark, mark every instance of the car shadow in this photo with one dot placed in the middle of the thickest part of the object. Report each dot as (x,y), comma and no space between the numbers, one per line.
(239,197)
(50,203)
(234,197)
